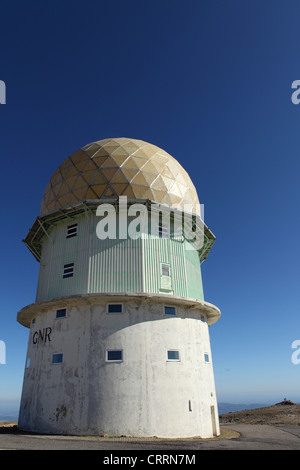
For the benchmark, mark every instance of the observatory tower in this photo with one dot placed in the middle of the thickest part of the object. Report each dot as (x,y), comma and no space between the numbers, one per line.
(119,333)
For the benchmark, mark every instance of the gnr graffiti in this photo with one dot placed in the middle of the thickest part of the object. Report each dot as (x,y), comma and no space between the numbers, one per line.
(42,336)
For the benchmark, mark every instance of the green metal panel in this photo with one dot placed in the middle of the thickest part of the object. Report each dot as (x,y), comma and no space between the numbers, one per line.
(68,250)
(108,266)
(114,265)
(184,264)
(193,270)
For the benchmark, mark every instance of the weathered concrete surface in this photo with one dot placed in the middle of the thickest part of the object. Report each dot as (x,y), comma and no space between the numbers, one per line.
(144,394)
(252,437)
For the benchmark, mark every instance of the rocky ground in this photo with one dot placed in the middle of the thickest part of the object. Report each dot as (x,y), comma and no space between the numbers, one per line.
(285,413)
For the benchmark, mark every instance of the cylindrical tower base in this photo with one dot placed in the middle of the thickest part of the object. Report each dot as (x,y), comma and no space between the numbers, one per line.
(131,365)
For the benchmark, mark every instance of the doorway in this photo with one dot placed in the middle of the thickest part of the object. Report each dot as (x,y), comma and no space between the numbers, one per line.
(213,420)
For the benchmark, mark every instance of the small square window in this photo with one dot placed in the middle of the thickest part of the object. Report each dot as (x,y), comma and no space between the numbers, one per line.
(28,363)
(72,230)
(115,308)
(62,312)
(115,355)
(206,357)
(68,270)
(173,355)
(170,310)
(165,269)
(57,358)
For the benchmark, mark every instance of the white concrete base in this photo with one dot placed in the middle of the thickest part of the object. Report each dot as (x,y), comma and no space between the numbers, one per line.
(144,395)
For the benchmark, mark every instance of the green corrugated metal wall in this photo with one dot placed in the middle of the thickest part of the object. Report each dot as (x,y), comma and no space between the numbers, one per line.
(114,265)
(102,266)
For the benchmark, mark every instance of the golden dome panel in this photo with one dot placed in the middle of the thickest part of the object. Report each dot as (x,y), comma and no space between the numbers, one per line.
(110,168)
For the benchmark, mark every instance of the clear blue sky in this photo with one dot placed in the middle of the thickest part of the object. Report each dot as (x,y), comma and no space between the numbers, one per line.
(209,82)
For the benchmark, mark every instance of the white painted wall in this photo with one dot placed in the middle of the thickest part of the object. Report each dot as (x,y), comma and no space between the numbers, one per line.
(145,395)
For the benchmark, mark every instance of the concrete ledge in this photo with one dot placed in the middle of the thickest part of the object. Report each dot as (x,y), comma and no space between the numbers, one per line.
(26,314)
